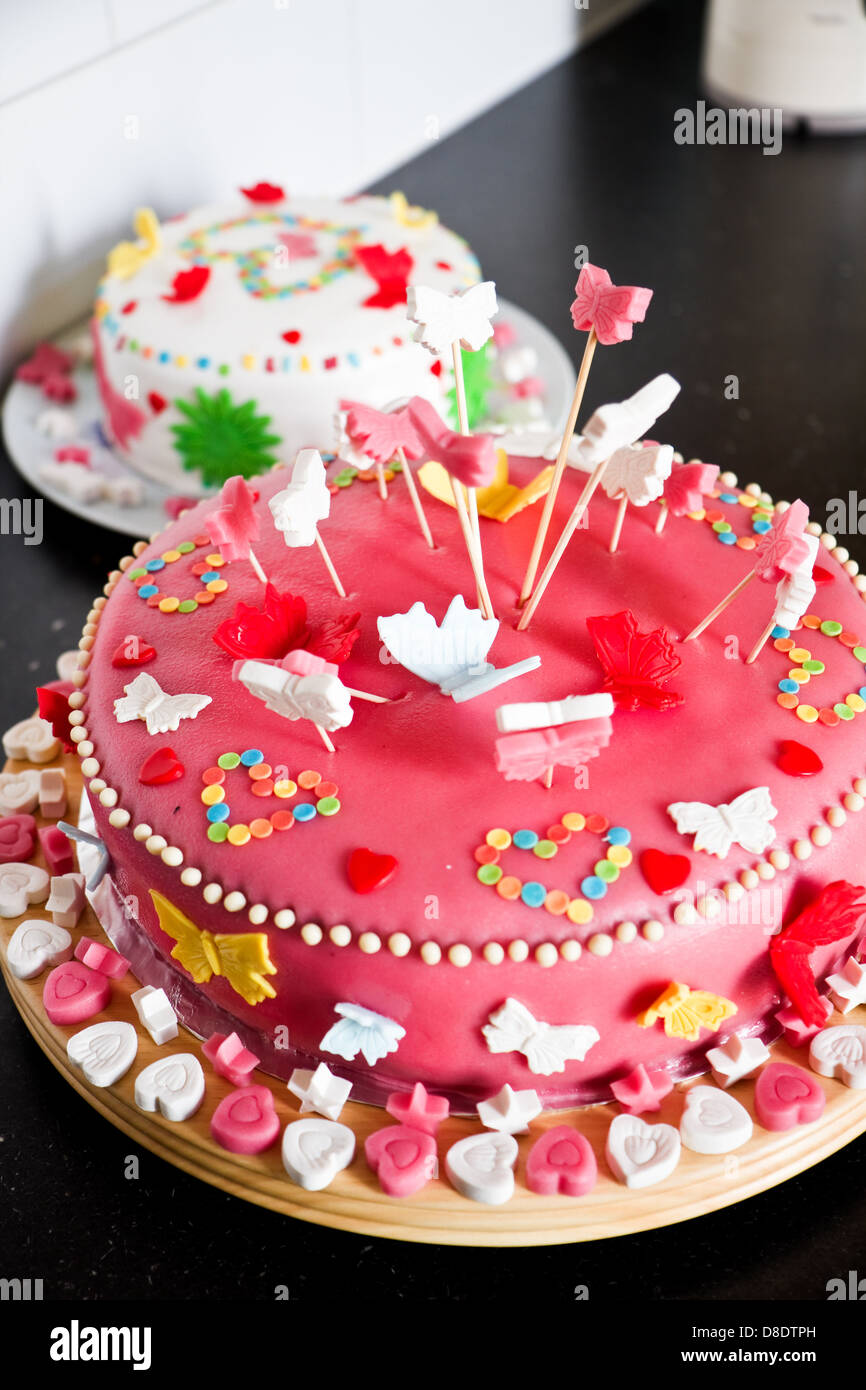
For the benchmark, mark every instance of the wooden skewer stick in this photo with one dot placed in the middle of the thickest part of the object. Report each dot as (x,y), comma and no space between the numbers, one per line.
(663,516)
(761,642)
(720,607)
(568,531)
(550,499)
(365,695)
(323,735)
(617,525)
(260,574)
(416,500)
(548,777)
(383,486)
(472,512)
(330,565)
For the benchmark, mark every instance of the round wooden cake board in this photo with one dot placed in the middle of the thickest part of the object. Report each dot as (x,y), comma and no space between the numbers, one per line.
(438,1215)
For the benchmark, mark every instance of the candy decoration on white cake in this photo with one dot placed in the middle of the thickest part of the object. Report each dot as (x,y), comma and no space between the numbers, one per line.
(145,699)
(127,257)
(685,488)
(299,507)
(460,320)
(234,524)
(779,553)
(606,313)
(745,822)
(533,745)
(382,436)
(636,476)
(452,654)
(794,594)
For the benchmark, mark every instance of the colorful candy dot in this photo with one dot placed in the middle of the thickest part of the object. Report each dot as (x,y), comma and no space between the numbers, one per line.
(525,839)
(305,812)
(213,776)
(573,820)
(189,605)
(545,849)
(509,888)
(813,667)
(239,834)
(809,714)
(843,711)
(328,806)
(213,794)
(309,779)
(597,824)
(593,887)
(261,828)
(218,812)
(228,760)
(285,788)
(831,628)
(860,653)
(606,870)
(498,838)
(727,538)
(259,771)
(218,833)
(533,894)
(489,873)
(559,834)
(263,787)
(556,902)
(620,855)
(282,820)
(618,835)
(486,854)
(579,911)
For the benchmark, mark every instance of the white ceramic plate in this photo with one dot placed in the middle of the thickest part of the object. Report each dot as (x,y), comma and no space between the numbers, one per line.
(30,451)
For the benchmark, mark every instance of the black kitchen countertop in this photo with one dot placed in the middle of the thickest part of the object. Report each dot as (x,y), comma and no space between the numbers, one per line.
(758,270)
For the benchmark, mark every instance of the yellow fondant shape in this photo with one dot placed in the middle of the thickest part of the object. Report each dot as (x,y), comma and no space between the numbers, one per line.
(501,500)
(411,216)
(127,257)
(685,1011)
(241,959)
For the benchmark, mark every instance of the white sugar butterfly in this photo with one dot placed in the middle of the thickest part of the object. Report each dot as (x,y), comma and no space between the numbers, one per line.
(444,319)
(305,501)
(322,698)
(145,699)
(745,821)
(546,1046)
(622,422)
(639,473)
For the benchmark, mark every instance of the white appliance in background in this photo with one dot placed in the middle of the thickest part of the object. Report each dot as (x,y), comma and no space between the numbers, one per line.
(806,56)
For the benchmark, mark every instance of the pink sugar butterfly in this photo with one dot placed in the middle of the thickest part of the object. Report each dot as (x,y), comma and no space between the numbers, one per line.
(610,309)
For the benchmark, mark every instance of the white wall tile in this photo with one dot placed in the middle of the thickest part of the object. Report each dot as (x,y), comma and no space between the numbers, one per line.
(39,41)
(130,19)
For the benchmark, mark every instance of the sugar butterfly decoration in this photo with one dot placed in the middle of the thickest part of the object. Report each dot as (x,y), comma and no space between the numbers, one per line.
(145,699)
(361,1030)
(636,664)
(744,821)
(443,319)
(546,1046)
(239,957)
(685,1011)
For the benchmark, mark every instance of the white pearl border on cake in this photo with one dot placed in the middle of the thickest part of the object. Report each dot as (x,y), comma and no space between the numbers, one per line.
(459,954)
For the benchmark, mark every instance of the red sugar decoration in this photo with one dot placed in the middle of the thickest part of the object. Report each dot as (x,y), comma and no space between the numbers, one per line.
(264,193)
(187,284)
(390,270)
(636,664)
(832,916)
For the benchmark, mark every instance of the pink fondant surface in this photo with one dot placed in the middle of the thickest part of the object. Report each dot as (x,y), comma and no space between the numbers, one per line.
(417,780)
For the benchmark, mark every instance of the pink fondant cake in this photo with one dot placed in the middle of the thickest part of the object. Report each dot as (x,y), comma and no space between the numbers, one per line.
(273,936)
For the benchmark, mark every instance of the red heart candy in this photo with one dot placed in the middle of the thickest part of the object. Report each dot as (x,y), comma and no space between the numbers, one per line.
(156,402)
(368,870)
(561,1161)
(17,838)
(798,760)
(133,652)
(246,1122)
(822,576)
(163,765)
(404,1159)
(664,872)
(786,1096)
(73,993)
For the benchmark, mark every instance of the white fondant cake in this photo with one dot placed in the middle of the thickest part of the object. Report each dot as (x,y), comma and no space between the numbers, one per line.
(226,337)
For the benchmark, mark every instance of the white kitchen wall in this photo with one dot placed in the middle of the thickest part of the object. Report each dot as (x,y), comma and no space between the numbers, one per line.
(108,104)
